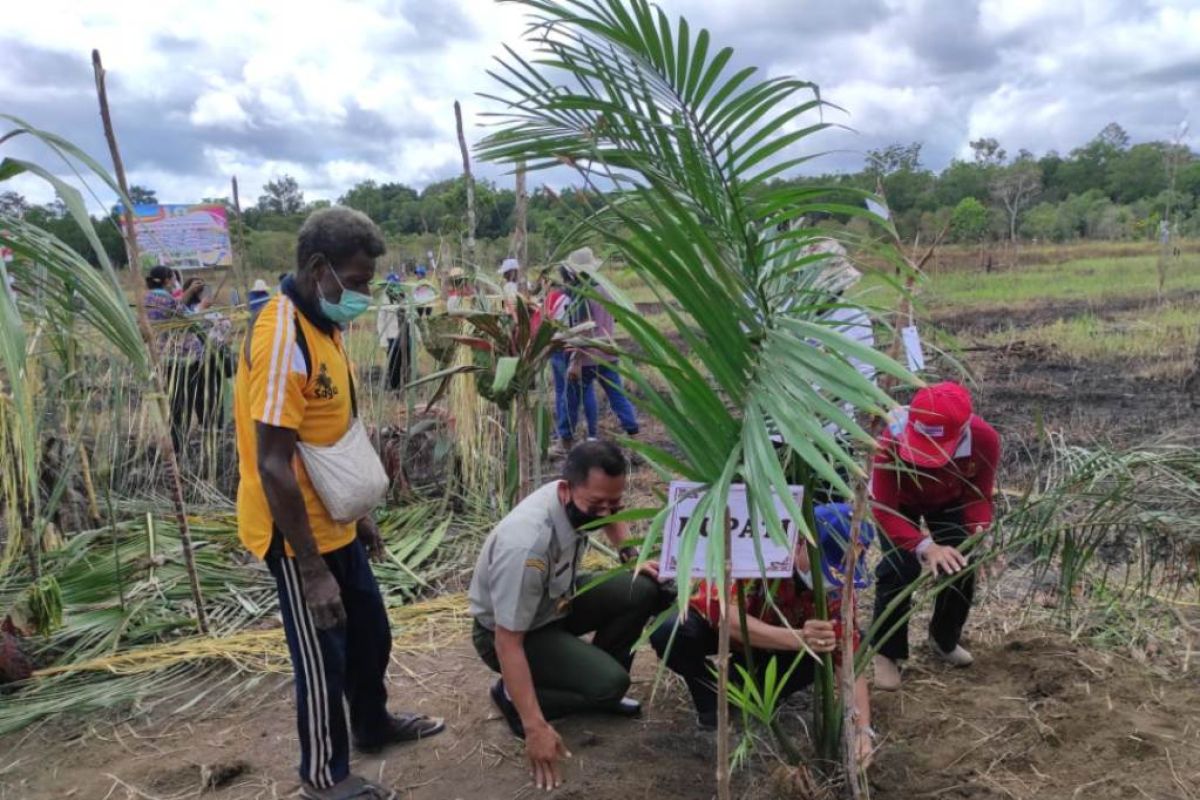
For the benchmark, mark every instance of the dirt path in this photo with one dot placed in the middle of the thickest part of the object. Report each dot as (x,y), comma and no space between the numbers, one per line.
(1036,717)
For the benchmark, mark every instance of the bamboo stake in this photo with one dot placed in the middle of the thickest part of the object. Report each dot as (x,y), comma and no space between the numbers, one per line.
(159,411)
(847,677)
(724,788)
(470,181)
(520,239)
(239,253)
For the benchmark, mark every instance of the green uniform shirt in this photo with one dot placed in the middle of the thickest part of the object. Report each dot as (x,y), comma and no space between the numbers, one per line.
(526,570)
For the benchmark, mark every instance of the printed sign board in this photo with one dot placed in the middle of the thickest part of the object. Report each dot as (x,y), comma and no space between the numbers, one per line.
(778,560)
(182,236)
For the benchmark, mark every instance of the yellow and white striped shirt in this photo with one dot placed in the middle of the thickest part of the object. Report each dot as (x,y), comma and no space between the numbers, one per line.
(275,388)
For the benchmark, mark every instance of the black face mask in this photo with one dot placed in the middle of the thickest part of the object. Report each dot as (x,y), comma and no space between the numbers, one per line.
(578,517)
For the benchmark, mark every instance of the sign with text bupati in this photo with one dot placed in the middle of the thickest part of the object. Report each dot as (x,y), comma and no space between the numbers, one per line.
(183,236)
(682,496)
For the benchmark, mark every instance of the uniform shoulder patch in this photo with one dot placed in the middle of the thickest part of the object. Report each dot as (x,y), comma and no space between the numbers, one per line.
(536,563)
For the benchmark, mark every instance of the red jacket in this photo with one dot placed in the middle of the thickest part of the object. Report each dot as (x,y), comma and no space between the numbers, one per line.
(902,493)
(791,604)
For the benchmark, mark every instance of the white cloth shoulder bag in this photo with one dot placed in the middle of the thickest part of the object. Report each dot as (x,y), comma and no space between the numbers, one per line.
(347,475)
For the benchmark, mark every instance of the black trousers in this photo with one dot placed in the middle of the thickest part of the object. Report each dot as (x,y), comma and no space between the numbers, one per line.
(570,675)
(399,359)
(899,568)
(348,662)
(696,640)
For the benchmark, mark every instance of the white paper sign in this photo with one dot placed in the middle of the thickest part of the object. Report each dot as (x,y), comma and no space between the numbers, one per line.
(912,348)
(878,210)
(778,560)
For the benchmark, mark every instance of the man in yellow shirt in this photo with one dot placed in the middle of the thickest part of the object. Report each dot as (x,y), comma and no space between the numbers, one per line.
(294,383)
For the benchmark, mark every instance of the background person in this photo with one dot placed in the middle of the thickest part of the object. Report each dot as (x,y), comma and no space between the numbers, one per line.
(937,463)
(294,382)
(178,344)
(259,294)
(590,366)
(529,614)
(780,630)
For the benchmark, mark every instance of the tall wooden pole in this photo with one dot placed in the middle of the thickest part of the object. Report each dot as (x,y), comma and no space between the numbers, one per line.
(520,241)
(160,414)
(239,254)
(466,159)
(724,778)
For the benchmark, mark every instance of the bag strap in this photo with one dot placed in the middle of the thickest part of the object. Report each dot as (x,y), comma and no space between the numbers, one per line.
(302,343)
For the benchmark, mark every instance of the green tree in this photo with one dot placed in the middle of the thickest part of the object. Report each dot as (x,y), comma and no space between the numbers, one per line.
(1138,172)
(281,196)
(142,196)
(969,221)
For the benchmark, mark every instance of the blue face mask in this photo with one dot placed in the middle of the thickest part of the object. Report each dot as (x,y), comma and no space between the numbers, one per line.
(349,307)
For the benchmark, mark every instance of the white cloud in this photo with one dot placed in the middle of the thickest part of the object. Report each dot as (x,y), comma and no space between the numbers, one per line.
(344,90)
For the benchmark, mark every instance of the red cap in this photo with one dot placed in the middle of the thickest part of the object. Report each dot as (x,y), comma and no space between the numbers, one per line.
(936,420)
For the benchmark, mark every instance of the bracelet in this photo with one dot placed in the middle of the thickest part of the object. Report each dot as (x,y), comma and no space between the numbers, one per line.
(627,554)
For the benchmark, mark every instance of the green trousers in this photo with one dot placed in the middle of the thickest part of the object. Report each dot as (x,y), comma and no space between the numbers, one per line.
(569,674)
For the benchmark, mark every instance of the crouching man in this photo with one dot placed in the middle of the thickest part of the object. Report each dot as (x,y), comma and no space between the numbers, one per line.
(780,630)
(529,611)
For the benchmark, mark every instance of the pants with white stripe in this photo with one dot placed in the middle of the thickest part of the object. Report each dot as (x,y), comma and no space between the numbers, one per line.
(349,661)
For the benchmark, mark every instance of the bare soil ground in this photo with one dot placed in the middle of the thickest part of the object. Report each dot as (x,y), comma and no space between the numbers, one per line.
(1038,715)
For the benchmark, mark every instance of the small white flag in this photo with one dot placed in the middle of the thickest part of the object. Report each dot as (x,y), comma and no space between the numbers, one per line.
(913,351)
(878,209)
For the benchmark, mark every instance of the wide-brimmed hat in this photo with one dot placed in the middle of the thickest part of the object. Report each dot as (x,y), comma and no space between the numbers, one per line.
(456,272)
(937,417)
(583,260)
(260,286)
(510,265)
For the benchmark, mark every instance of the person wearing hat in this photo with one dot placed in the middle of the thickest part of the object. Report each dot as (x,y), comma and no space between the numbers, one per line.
(936,463)
(510,274)
(779,627)
(459,290)
(258,296)
(587,366)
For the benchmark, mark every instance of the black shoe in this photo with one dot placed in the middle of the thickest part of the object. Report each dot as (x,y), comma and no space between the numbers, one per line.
(627,707)
(507,709)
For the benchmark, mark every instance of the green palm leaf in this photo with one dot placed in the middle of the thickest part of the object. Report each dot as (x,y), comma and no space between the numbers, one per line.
(689,146)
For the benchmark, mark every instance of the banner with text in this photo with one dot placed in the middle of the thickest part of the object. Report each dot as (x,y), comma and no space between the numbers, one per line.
(778,560)
(183,236)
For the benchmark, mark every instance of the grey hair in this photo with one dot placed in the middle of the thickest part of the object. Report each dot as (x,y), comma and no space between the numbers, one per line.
(338,233)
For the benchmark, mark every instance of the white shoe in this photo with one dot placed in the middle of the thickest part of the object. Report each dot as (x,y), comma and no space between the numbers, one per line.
(887,674)
(958,657)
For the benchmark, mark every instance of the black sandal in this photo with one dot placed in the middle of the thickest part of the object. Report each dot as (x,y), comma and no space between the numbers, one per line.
(353,788)
(404,728)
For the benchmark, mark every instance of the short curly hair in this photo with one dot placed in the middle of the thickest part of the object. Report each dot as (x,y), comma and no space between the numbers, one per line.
(338,233)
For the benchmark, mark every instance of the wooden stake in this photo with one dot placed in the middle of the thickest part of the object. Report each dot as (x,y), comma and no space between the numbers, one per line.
(724,787)
(520,242)
(847,677)
(160,411)
(239,253)
(466,159)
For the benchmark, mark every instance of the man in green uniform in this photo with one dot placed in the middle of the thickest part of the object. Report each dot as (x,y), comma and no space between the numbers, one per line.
(529,614)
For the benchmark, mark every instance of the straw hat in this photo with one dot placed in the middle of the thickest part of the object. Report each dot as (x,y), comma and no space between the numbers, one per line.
(583,260)
(457,272)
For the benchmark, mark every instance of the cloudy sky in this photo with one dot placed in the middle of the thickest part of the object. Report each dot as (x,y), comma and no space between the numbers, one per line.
(343,90)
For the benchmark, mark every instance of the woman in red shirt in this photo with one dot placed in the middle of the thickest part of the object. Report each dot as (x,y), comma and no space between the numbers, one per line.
(781,628)
(937,464)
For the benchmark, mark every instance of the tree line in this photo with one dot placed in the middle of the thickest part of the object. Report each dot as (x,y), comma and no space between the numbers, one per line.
(1107,188)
